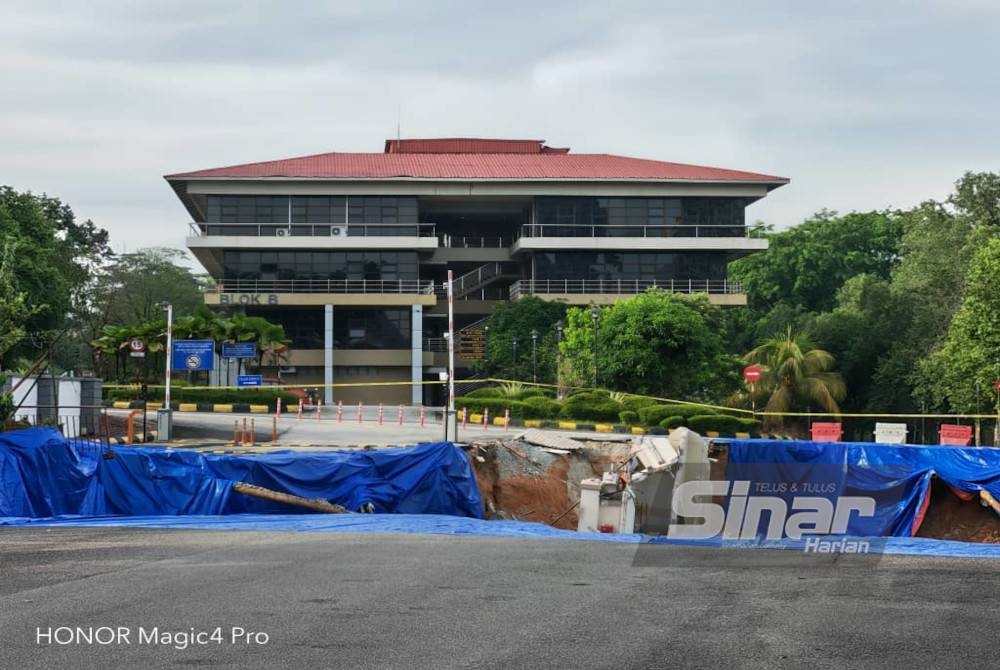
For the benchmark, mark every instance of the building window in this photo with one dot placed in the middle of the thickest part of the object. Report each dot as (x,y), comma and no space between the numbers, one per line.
(371,328)
(247,209)
(630,266)
(322,265)
(639,217)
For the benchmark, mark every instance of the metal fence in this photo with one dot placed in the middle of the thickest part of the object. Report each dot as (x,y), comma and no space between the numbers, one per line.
(354,286)
(86,427)
(621,286)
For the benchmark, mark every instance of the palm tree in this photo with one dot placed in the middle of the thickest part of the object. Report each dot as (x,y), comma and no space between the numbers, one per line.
(796,373)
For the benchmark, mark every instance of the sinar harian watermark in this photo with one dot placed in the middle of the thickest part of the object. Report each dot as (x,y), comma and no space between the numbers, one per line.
(697,516)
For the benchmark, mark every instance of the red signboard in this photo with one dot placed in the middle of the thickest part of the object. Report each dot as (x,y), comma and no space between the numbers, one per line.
(752,373)
(996,385)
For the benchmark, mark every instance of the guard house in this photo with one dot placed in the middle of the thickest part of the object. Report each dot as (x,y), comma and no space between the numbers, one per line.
(350,251)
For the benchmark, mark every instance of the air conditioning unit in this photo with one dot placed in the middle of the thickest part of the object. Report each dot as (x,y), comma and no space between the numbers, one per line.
(282,232)
(338,231)
(288,371)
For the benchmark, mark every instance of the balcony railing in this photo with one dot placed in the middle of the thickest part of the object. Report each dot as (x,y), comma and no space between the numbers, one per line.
(659,230)
(314,229)
(621,286)
(361,286)
(463,242)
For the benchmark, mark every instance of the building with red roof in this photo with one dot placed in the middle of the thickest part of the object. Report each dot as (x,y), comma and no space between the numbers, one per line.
(350,251)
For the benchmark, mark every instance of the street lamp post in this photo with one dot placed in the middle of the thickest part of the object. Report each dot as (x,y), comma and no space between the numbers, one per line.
(534,359)
(595,316)
(513,359)
(164,427)
(560,326)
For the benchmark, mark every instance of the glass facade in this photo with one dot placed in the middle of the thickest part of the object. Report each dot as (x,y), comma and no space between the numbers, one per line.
(308,216)
(627,217)
(371,328)
(274,265)
(352,328)
(630,265)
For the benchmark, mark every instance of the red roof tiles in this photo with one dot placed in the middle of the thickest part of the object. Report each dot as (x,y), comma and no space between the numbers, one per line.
(476,159)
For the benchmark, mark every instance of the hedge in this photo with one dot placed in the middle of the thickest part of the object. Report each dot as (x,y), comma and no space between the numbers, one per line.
(484,392)
(628,417)
(634,403)
(672,422)
(207,394)
(497,406)
(540,407)
(719,423)
(652,415)
(590,406)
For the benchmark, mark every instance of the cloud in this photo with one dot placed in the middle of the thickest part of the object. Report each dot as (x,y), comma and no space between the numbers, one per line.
(863,105)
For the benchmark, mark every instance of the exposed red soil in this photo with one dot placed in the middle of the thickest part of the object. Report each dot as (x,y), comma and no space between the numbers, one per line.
(951,518)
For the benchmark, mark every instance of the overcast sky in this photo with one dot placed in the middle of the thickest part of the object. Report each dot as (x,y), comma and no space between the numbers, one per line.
(862,104)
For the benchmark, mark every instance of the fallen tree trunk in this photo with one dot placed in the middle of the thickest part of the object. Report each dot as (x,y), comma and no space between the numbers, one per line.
(316,504)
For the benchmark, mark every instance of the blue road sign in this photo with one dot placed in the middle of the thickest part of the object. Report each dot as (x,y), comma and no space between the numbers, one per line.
(239,350)
(193,355)
(249,380)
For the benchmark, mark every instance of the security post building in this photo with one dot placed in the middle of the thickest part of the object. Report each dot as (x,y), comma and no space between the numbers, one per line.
(350,251)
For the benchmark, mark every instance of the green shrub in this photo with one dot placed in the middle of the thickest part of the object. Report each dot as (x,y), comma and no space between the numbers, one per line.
(634,403)
(672,422)
(534,392)
(591,406)
(652,415)
(748,425)
(540,407)
(719,423)
(484,392)
(495,405)
(207,395)
(628,417)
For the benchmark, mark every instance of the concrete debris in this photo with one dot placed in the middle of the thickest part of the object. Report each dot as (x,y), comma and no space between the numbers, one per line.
(543,438)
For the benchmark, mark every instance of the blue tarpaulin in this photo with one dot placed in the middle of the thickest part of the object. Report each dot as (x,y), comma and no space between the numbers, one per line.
(44,475)
(898,477)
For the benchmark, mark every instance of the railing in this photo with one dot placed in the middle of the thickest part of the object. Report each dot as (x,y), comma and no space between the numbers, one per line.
(625,230)
(375,286)
(621,286)
(436,344)
(314,229)
(462,242)
(86,427)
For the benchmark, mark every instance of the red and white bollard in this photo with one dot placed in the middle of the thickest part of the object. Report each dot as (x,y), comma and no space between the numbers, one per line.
(380,414)
(361,413)
(277,408)
(422,416)
(506,419)
(319,406)
(465,417)
(486,418)
(298,411)
(340,411)
(400,415)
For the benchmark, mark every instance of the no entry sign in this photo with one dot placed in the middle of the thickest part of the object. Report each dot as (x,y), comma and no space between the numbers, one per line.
(752,373)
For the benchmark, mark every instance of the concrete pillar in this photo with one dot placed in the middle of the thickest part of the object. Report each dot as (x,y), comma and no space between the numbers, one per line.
(417,354)
(328,354)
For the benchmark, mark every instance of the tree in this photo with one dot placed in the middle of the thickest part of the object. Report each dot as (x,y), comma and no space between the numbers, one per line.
(15,311)
(858,332)
(656,343)
(960,373)
(53,257)
(806,265)
(977,195)
(508,339)
(796,374)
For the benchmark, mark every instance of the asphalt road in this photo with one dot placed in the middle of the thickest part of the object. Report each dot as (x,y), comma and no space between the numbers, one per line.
(410,601)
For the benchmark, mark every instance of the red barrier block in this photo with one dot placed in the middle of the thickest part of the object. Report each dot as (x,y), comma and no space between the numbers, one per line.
(955,435)
(827,432)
